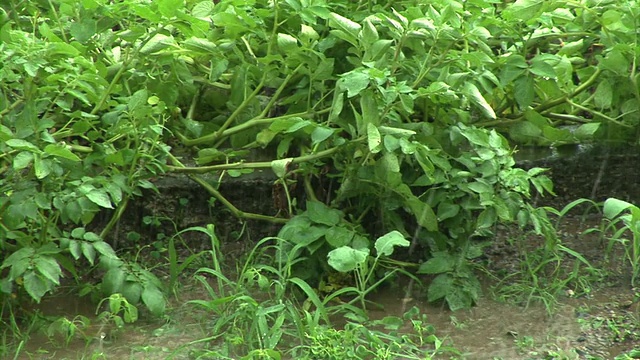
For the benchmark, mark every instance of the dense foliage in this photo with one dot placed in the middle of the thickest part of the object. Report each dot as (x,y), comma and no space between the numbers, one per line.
(409,109)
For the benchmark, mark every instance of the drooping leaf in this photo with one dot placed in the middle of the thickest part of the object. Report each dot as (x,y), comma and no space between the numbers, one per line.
(476,98)
(345,259)
(385,244)
(153,298)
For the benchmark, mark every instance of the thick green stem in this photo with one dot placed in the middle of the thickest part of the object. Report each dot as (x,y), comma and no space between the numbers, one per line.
(116,217)
(245,165)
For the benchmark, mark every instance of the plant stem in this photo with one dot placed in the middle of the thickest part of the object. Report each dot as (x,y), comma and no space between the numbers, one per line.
(244,165)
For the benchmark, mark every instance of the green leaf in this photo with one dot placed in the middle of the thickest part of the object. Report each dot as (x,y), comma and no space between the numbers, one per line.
(524,91)
(100,198)
(523,10)
(354,82)
(476,98)
(384,245)
(169,8)
(60,151)
(440,287)
(441,262)
(132,291)
(287,43)
(320,134)
(319,213)
(35,285)
(480,187)
(49,268)
(88,251)
(20,144)
(153,298)
(22,160)
(200,45)
(603,97)
(447,210)
(41,166)
(586,131)
(338,236)
(158,42)
(369,33)
(423,213)
(280,166)
(373,138)
(113,281)
(344,24)
(105,249)
(345,259)
(613,207)
(541,68)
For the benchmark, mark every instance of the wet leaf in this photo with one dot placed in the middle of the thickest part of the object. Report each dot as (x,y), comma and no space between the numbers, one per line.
(345,259)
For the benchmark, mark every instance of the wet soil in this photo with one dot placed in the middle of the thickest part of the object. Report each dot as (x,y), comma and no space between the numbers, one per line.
(598,325)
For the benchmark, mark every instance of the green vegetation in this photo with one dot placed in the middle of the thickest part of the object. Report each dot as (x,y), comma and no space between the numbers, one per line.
(390,128)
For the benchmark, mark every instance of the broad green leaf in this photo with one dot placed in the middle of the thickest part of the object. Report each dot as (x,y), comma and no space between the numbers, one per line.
(200,45)
(203,10)
(344,24)
(83,30)
(369,33)
(603,97)
(61,151)
(287,43)
(338,236)
(153,298)
(586,131)
(572,48)
(88,251)
(423,213)
(22,160)
(384,245)
(61,48)
(377,50)
(476,98)
(541,68)
(487,218)
(354,82)
(169,8)
(308,34)
(616,62)
(447,210)
(41,166)
(132,291)
(35,285)
(100,198)
(321,134)
(104,249)
(440,287)
(525,132)
(441,262)
(373,138)
(345,259)
(20,144)
(158,42)
(320,213)
(524,91)
(480,187)
(49,268)
(523,10)
(280,166)
(113,281)
(613,207)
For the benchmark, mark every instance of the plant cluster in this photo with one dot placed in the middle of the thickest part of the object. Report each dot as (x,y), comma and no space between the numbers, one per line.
(391,117)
